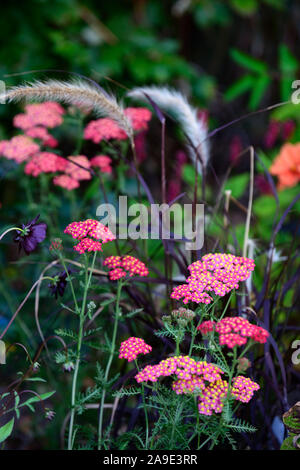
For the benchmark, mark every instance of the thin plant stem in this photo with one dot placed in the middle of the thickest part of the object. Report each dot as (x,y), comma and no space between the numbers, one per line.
(88,277)
(145,410)
(9,230)
(109,362)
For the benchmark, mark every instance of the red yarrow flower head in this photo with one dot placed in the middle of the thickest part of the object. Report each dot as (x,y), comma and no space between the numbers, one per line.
(234,331)
(121,266)
(91,235)
(132,347)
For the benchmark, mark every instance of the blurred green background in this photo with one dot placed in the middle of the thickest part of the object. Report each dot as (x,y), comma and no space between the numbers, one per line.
(193,44)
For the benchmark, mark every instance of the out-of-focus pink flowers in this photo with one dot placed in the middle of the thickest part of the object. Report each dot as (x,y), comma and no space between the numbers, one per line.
(120,266)
(217,272)
(103,129)
(48,114)
(106,129)
(132,347)
(44,162)
(66,182)
(103,162)
(19,148)
(139,118)
(75,169)
(42,134)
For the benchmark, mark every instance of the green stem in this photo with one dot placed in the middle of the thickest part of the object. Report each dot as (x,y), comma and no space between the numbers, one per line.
(145,409)
(88,278)
(70,282)
(109,362)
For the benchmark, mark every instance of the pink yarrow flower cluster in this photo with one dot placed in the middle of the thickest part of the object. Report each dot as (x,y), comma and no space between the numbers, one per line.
(106,128)
(44,162)
(103,162)
(89,232)
(243,388)
(19,148)
(43,135)
(203,379)
(132,347)
(219,273)
(122,266)
(234,331)
(183,367)
(48,114)
(35,122)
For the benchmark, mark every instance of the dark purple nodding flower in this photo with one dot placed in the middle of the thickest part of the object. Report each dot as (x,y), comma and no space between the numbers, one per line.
(58,285)
(30,235)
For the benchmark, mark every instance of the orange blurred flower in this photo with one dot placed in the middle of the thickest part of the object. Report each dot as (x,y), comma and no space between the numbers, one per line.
(286,165)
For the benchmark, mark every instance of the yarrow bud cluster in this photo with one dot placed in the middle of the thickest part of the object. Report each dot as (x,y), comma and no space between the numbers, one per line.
(132,347)
(217,272)
(234,331)
(120,266)
(184,313)
(86,229)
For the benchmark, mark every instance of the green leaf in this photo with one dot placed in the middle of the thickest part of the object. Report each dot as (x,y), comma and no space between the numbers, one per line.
(237,184)
(6,430)
(287,62)
(239,87)
(244,7)
(248,62)
(259,88)
(35,399)
(35,379)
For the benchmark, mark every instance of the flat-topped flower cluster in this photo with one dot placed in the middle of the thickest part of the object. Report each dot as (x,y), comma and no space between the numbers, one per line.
(218,273)
(201,378)
(122,266)
(132,347)
(89,232)
(34,146)
(234,331)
